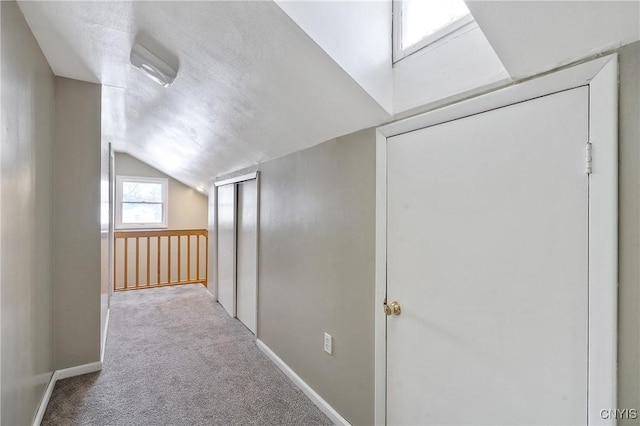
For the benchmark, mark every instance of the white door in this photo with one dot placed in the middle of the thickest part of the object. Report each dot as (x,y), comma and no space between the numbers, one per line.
(487,256)
(227,247)
(247,240)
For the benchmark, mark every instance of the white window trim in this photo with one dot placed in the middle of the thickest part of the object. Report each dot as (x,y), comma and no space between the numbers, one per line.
(446,31)
(165,206)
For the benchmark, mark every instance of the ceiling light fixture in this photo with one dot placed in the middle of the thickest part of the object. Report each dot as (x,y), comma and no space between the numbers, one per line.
(152,66)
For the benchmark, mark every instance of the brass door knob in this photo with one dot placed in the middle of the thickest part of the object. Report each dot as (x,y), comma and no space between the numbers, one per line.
(392,308)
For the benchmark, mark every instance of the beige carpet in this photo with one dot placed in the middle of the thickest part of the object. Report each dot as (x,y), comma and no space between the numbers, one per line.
(174,357)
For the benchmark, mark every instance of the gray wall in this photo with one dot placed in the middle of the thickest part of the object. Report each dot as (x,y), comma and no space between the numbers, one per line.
(629,231)
(187,207)
(77,241)
(317,232)
(316,260)
(26,152)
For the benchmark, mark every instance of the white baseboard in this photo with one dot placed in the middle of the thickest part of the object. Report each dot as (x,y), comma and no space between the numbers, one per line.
(304,387)
(78,370)
(45,400)
(59,375)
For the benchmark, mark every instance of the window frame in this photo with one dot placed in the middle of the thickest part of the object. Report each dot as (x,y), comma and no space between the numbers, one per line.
(444,32)
(120,179)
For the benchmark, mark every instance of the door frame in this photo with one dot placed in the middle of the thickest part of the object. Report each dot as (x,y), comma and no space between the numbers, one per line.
(601,76)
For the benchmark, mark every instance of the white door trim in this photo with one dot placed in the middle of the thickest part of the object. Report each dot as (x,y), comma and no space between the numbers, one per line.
(212,278)
(603,243)
(601,75)
(236,179)
(257,254)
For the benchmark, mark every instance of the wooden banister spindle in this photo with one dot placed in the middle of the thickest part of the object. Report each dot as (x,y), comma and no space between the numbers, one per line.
(169,259)
(115,269)
(206,260)
(188,257)
(179,261)
(148,260)
(197,257)
(158,258)
(137,262)
(126,262)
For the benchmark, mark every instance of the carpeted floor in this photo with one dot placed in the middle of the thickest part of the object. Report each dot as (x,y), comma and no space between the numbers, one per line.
(174,357)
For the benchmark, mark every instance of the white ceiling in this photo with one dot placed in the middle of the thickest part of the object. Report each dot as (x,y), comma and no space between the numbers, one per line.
(531,37)
(251,84)
(356,34)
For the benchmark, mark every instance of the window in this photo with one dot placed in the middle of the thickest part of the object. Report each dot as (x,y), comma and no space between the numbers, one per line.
(141,202)
(417,23)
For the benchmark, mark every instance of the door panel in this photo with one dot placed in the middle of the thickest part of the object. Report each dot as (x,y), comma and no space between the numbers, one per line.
(487,255)
(246,296)
(227,248)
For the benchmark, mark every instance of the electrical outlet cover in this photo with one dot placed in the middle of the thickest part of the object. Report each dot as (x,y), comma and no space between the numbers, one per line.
(327,343)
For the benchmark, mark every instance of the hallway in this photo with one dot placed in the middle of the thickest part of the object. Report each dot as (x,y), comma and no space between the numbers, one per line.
(375,283)
(174,357)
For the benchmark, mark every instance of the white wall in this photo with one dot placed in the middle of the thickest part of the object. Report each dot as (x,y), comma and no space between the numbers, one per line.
(448,69)
(536,36)
(356,34)
(26,198)
(77,229)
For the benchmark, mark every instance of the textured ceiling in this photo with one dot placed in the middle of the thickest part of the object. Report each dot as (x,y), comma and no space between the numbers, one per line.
(251,84)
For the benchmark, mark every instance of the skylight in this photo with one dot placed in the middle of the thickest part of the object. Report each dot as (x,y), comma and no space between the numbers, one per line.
(420,22)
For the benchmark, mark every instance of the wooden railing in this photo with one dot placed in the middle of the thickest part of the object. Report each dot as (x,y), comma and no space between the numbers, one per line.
(147,259)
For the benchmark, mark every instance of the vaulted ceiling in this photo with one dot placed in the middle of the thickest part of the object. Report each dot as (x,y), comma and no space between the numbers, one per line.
(251,84)
(260,79)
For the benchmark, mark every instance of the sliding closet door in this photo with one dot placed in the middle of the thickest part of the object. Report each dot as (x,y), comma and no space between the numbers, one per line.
(227,247)
(247,238)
